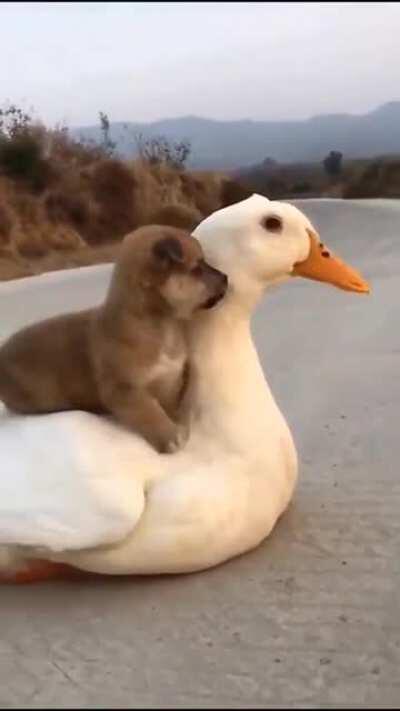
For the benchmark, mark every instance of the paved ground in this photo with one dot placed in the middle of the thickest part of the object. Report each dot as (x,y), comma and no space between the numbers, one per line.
(309,620)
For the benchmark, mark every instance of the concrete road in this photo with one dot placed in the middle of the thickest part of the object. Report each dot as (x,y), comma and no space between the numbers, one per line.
(309,620)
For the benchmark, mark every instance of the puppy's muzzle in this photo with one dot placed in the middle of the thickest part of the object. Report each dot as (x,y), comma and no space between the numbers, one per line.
(218,283)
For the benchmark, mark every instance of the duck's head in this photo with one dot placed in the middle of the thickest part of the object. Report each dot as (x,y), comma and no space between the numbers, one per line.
(258,242)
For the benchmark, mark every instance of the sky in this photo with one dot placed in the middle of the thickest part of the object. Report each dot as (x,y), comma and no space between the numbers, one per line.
(145,61)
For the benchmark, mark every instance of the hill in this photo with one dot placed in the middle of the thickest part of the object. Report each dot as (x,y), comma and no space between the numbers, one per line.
(227,145)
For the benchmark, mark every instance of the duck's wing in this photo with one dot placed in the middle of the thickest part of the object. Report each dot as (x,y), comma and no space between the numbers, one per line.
(70,480)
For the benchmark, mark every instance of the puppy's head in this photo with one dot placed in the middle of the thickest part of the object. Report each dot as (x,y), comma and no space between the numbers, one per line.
(169,265)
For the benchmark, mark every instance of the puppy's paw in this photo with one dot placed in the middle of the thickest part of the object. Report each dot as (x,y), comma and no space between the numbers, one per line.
(179,439)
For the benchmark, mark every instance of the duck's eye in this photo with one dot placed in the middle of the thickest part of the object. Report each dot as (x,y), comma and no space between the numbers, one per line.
(273,224)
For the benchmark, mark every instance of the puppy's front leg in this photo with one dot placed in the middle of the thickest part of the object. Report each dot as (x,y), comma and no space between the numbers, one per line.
(139,411)
(185,400)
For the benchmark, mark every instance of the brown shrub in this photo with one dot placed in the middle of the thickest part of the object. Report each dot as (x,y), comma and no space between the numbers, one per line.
(30,236)
(233,191)
(203,190)
(27,207)
(63,238)
(365,183)
(70,208)
(112,185)
(186,218)
(27,235)
(12,268)
(30,245)
(390,179)
(6,224)
(157,185)
(195,192)
(161,186)
(65,150)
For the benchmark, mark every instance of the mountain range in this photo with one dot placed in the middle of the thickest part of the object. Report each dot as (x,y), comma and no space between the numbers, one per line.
(228,145)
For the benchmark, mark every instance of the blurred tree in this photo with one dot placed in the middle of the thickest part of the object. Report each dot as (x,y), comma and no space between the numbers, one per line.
(333,163)
(108,144)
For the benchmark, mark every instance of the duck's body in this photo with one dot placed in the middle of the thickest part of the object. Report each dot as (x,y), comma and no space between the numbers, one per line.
(217,498)
(113,505)
(223,494)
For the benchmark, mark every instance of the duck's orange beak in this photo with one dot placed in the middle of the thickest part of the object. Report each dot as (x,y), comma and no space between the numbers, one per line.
(322,265)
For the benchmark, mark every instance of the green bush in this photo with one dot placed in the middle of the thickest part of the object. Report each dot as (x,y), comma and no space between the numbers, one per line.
(21,159)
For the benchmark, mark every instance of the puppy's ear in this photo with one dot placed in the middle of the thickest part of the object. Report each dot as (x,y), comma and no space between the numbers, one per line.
(168,251)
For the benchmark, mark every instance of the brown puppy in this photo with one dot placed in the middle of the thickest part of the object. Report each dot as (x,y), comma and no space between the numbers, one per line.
(127,357)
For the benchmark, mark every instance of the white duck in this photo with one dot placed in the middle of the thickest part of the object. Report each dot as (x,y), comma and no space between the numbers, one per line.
(80,489)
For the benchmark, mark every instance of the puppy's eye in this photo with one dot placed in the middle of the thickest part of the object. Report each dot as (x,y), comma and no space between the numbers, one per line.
(273,223)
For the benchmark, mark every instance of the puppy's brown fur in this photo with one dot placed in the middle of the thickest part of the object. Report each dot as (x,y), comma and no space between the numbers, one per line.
(128,356)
